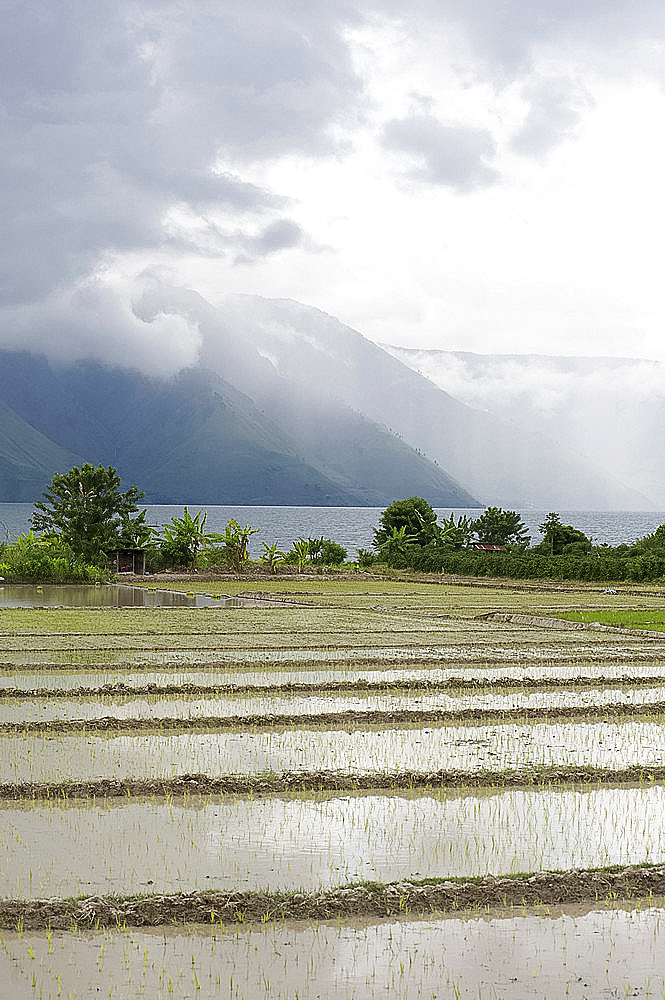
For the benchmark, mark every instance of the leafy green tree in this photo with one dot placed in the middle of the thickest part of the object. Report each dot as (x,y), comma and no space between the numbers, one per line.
(332,553)
(366,558)
(315,546)
(298,554)
(561,538)
(655,541)
(496,526)
(453,534)
(45,559)
(86,510)
(394,551)
(273,556)
(414,514)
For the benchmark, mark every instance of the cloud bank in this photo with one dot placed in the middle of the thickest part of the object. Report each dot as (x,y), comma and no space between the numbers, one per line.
(381,163)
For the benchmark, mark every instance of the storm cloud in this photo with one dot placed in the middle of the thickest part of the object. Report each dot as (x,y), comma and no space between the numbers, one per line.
(151,141)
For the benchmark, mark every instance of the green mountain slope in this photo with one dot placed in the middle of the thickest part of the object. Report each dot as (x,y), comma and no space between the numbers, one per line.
(198,439)
(28,458)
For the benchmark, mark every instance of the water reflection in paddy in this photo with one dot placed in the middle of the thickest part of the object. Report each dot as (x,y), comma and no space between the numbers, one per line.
(576,952)
(17,595)
(67,848)
(269,672)
(381,749)
(277,704)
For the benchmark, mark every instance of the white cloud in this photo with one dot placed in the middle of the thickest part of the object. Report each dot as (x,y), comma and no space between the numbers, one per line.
(457,173)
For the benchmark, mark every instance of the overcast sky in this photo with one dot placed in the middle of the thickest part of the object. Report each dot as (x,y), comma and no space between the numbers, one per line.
(459,174)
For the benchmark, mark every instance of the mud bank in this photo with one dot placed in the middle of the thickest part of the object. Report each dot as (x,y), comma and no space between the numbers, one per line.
(653,711)
(473,684)
(320,781)
(365,900)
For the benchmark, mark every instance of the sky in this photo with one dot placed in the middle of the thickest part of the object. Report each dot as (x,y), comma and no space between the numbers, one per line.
(464,175)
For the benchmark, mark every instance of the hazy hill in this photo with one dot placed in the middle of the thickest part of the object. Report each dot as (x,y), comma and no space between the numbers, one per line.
(196,439)
(26,456)
(299,364)
(612,408)
(289,406)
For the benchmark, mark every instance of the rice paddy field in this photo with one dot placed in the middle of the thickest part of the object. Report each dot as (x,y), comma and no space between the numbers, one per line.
(349,788)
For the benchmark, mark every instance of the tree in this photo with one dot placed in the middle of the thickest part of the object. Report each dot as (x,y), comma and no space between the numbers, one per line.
(558,538)
(86,510)
(455,535)
(415,515)
(183,537)
(236,543)
(394,550)
(273,556)
(496,526)
(332,553)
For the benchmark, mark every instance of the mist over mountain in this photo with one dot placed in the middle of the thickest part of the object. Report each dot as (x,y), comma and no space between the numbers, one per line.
(613,409)
(296,361)
(195,438)
(287,405)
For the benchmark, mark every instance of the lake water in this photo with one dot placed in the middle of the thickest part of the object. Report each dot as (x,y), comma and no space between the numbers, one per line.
(353,527)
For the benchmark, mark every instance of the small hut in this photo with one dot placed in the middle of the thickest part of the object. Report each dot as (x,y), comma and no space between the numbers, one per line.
(127,561)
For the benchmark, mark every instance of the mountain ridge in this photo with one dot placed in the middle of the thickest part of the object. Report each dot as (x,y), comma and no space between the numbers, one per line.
(290,405)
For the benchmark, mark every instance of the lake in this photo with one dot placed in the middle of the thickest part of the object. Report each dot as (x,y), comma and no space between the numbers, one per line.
(353,527)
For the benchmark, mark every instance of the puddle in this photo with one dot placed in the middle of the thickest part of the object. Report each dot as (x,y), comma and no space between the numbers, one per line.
(116,596)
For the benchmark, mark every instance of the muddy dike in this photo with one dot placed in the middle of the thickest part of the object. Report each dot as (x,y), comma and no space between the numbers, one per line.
(270,783)
(653,711)
(474,684)
(403,898)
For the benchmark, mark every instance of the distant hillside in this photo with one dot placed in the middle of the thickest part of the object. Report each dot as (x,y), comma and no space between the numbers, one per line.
(613,409)
(27,457)
(300,365)
(196,439)
(289,406)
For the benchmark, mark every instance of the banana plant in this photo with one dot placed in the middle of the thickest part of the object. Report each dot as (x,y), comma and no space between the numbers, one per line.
(273,556)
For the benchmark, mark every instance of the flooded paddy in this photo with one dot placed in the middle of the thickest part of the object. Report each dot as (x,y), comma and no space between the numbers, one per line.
(380,750)
(304,842)
(17,595)
(236,707)
(271,676)
(572,951)
(292,686)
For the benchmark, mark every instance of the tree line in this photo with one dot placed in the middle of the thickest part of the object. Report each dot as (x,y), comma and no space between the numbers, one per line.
(410,536)
(84,516)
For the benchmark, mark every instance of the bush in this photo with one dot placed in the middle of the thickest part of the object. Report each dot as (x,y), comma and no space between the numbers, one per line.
(332,554)
(36,560)
(415,515)
(366,558)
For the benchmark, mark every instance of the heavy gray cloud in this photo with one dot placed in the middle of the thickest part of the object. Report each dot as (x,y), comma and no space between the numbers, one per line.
(455,155)
(115,116)
(112,114)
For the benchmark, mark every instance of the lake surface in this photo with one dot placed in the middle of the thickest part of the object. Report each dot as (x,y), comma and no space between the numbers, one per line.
(353,527)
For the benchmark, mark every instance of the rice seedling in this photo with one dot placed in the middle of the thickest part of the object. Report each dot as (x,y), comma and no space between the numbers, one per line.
(381,685)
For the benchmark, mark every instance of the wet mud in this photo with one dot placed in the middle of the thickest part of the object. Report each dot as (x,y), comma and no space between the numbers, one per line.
(365,900)
(472,684)
(334,781)
(653,711)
